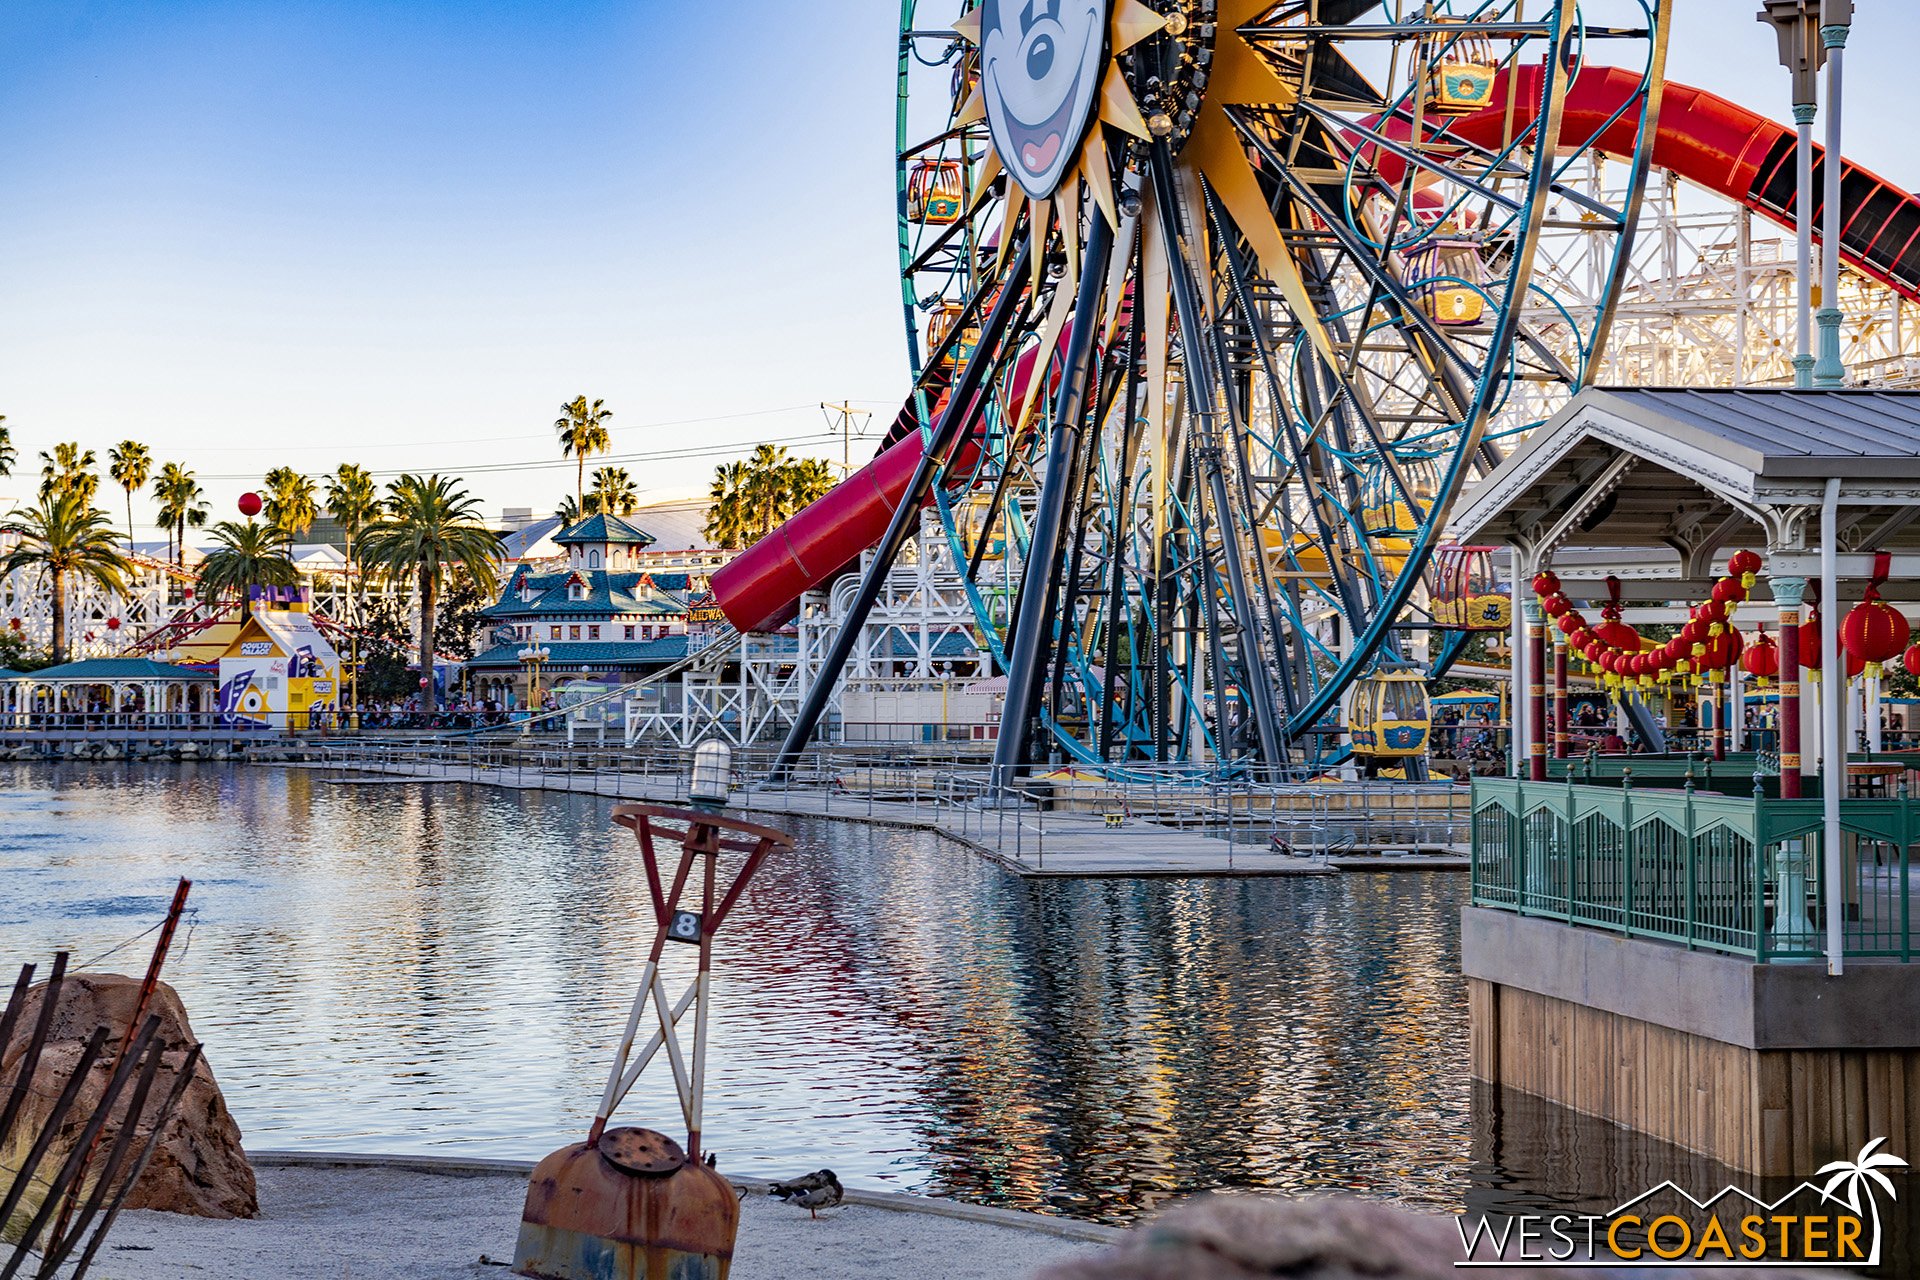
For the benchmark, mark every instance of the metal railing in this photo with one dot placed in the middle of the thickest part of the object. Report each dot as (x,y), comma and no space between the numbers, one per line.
(1737,874)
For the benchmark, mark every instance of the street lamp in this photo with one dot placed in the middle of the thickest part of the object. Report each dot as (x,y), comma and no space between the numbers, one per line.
(1797,25)
(533,657)
(1836,16)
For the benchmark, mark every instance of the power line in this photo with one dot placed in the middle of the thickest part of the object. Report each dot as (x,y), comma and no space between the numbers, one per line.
(543,435)
(609,459)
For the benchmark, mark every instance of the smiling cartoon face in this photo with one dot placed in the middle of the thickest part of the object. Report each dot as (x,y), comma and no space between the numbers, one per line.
(1040,64)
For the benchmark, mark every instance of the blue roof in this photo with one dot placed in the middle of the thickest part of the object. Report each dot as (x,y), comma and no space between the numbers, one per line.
(8,673)
(607,593)
(603,528)
(590,653)
(118,669)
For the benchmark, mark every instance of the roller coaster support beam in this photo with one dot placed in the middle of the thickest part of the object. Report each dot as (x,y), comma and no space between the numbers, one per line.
(963,403)
(1033,624)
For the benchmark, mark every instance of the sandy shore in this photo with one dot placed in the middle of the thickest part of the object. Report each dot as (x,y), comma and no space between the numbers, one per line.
(403,1223)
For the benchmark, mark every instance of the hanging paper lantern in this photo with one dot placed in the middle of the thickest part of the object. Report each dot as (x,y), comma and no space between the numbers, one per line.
(1810,657)
(1618,634)
(1911,660)
(1545,583)
(1729,592)
(1873,630)
(1569,622)
(1556,605)
(1745,564)
(1761,661)
(1714,614)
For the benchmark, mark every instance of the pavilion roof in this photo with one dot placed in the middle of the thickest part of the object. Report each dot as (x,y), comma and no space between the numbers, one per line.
(104,670)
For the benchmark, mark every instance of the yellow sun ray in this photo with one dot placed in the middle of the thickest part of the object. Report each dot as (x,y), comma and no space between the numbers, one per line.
(1118,108)
(967,26)
(1132,22)
(1098,171)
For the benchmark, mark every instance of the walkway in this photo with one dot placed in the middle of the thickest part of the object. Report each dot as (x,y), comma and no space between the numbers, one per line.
(1030,841)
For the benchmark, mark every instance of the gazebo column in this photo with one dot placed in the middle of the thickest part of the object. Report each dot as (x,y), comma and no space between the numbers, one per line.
(1562,728)
(1787,596)
(1536,692)
(1721,691)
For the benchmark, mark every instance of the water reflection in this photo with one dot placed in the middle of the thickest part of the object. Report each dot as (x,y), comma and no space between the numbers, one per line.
(445,968)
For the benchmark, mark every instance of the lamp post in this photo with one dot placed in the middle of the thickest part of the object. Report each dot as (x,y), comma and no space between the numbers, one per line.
(1797,24)
(533,657)
(1836,16)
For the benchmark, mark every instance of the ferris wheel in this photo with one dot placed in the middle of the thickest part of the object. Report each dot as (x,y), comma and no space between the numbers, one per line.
(1213,307)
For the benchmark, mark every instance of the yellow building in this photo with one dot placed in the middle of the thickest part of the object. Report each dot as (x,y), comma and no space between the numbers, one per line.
(278,672)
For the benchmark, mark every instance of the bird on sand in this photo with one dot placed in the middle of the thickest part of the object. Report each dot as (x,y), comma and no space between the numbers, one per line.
(813,1192)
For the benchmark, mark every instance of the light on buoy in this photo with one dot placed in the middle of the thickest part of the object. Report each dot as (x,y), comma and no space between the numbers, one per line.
(712,781)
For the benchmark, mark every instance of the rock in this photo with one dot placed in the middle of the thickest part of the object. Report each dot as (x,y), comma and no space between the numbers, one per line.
(199,1167)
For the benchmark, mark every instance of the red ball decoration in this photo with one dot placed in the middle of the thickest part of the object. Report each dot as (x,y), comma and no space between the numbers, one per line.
(250,504)
(113,624)
(1545,583)
(15,623)
(1761,662)
(1874,632)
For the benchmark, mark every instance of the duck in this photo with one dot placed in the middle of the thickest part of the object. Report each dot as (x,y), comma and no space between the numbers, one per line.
(812,1192)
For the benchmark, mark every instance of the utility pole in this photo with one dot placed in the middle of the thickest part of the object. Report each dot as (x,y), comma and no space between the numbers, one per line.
(840,417)
(1797,24)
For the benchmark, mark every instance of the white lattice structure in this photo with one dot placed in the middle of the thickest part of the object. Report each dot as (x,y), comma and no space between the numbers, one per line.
(100,623)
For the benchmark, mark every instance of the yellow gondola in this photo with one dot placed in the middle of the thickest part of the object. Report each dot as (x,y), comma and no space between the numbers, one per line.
(1448,280)
(936,193)
(1388,717)
(1467,594)
(1460,72)
(940,322)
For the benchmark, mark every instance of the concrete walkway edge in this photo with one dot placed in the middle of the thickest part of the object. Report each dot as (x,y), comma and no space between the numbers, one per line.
(895,1201)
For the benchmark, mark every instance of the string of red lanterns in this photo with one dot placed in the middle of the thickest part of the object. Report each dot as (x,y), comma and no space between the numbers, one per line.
(1707,646)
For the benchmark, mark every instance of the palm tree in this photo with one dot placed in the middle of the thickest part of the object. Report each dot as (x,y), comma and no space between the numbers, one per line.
(290,507)
(431,528)
(354,504)
(245,555)
(182,503)
(64,536)
(583,431)
(69,469)
(613,492)
(567,511)
(7,455)
(130,463)
(726,521)
(807,480)
(1860,1174)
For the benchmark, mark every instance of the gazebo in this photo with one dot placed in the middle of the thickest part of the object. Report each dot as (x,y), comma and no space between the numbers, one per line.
(108,693)
(1649,933)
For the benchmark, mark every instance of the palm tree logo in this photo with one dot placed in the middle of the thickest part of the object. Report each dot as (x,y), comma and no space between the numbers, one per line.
(1858,1177)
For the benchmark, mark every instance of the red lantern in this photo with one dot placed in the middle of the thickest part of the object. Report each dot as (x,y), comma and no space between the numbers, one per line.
(1729,592)
(1874,632)
(1570,622)
(1618,634)
(1810,657)
(1761,662)
(1713,614)
(1911,660)
(1744,565)
(1556,605)
(1545,583)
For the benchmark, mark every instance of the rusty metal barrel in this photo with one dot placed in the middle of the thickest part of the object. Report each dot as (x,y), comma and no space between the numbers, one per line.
(630,1207)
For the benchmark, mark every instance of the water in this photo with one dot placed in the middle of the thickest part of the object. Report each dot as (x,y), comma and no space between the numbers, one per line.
(444,970)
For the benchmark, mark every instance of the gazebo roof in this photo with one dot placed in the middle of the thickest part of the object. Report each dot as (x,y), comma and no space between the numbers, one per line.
(603,528)
(1672,479)
(108,670)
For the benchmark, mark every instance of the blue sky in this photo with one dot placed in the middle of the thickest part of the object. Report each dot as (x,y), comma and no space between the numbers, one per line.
(402,233)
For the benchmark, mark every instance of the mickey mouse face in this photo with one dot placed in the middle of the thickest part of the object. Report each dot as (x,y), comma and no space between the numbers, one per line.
(1040,64)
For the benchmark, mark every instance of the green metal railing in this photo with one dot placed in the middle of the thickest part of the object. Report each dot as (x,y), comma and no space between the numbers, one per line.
(1738,874)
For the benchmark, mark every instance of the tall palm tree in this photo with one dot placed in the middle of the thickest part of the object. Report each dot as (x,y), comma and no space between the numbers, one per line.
(182,503)
(583,432)
(290,506)
(613,492)
(7,455)
(807,480)
(130,463)
(431,528)
(354,504)
(63,537)
(567,511)
(69,469)
(245,555)
(726,519)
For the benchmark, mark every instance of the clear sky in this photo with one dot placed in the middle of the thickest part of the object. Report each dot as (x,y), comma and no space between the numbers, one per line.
(403,232)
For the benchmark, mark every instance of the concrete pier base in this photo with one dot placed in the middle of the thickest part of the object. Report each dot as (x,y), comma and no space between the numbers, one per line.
(1774,1069)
